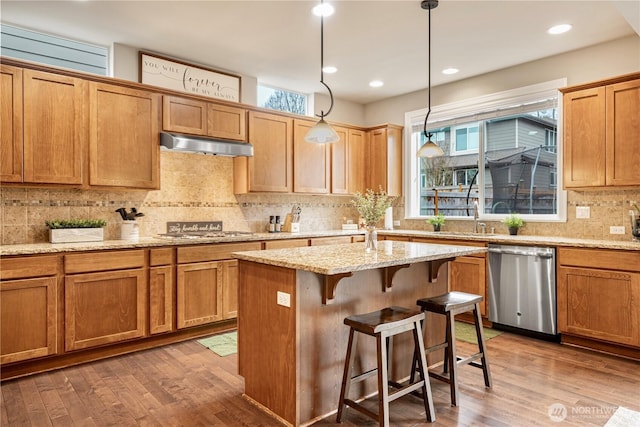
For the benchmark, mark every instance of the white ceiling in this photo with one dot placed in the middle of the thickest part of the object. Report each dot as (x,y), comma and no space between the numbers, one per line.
(279,41)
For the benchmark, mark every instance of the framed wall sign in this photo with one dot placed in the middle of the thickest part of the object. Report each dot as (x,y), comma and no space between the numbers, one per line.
(182,77)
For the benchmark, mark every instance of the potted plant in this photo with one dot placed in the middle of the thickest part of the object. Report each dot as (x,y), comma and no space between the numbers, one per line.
(437,221)
(75,230)
(514,222)
(371,206)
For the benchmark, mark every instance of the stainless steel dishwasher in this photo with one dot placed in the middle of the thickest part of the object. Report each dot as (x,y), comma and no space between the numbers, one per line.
(522,288)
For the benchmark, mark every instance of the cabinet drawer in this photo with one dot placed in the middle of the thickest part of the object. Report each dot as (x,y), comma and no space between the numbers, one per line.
(453,242)
(289,243)
(598,258)
(162,256)
(103,261)
(24,267)
(330,240)
(214,252)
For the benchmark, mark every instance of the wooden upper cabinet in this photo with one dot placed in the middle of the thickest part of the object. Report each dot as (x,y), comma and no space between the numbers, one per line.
(227,122)
(356,155)
(191,116)
(602,133)
(184,115)
(623,133)
(271,167)
(311,162)
(54,127)
(124,137)
(10,124)
(385,160)
(340,162)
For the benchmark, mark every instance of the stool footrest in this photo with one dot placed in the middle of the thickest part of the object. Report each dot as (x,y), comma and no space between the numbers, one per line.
(436,347)
(363,376)
(467,360)
(355,405)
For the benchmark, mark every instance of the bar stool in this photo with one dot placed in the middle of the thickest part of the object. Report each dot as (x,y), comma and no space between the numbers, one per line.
(449,305)
(384,324)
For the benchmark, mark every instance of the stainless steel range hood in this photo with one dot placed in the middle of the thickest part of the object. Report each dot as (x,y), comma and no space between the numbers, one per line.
(198,144)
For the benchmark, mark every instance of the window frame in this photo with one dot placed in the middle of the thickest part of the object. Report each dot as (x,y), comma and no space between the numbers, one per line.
(470,110)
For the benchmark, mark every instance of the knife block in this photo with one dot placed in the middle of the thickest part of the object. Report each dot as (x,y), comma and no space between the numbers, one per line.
(289,226)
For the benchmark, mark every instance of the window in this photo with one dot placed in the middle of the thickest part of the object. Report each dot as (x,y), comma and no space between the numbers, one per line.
(282,100)
(46,49)
(500,150)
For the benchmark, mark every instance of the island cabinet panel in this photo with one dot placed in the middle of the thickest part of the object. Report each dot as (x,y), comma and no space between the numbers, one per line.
(199,294)
(161,290)
(105,308)
(124,138)
(271,167)
(10,124)
(599,295)
(55,128)
(311,162)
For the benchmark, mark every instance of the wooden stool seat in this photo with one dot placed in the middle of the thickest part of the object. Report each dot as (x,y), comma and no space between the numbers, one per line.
(449,305)
(383,325)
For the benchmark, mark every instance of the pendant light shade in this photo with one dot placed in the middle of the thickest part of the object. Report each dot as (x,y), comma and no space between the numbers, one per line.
(429,149)
(322,132)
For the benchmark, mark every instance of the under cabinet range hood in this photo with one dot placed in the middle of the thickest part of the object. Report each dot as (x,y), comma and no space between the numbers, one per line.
(199,144)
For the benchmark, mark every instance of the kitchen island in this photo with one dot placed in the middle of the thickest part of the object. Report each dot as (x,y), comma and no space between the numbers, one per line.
(292,304)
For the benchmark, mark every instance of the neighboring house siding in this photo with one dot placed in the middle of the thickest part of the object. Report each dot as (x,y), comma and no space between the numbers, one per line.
(501,134)
(46,49)
(528,139)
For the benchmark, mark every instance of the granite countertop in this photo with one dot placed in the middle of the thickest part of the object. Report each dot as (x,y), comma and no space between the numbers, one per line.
(518,240)
(351,257)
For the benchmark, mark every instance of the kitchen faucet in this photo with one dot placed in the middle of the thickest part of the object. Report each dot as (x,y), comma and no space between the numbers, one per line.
(476,214)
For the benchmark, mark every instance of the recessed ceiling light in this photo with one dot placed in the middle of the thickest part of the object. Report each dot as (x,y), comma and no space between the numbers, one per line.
(559,29)
(450,70)
(329,69)
(376,83)
(323,9)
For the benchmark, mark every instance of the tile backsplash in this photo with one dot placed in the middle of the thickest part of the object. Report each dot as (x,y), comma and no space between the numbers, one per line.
(200,188)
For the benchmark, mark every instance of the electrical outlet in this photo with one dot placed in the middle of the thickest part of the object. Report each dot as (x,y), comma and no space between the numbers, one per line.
(583,212)
(396,223)
(284,299)
(616,229)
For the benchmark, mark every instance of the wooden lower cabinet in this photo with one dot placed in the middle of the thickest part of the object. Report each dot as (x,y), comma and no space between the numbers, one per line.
(199,293)
(599,295)
(160,299)
(104,308)
(468,274)
(29,318)
(230,289)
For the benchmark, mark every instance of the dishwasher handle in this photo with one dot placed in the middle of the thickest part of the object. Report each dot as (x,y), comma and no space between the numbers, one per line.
(532,252)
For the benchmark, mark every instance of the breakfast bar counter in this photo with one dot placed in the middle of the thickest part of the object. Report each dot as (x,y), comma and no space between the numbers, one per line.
(291,308)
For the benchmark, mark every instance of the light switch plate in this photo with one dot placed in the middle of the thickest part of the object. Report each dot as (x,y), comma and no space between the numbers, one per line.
(583,212)
(616,229)
(284,299)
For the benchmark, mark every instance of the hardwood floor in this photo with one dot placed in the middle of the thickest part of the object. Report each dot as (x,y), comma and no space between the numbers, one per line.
(185,384)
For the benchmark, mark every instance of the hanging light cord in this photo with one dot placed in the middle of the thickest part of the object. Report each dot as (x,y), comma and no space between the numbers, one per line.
(322,113)
(424,131)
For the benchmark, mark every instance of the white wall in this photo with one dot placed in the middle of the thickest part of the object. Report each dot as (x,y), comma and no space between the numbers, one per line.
(597,62)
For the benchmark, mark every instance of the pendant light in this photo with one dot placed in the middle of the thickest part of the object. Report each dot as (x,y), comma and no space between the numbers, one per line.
(322,132)
(429,149)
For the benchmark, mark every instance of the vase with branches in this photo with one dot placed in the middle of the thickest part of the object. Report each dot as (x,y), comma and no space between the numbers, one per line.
(372,206)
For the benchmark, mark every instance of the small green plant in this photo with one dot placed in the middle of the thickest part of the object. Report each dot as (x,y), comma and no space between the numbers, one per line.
(75,223)
(513,221)
(436,220)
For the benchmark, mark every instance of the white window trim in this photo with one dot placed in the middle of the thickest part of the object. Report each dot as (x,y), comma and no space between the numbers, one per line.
(470,107)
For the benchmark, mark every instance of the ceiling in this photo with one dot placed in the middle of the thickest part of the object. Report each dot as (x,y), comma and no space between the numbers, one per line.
(279,41)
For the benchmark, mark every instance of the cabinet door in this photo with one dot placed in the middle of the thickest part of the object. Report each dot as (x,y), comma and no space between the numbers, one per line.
(469,274)
(271,167)
(124,138)
(357,149)
(584,138)
(54,128)
(227,122)
(230,289)
(184,115)
(160,299)
(29,318)
(199,294)
(104,308)
(311,162)
(599,304)
(340,162)
(623,133)
(10,124)
(385,160)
